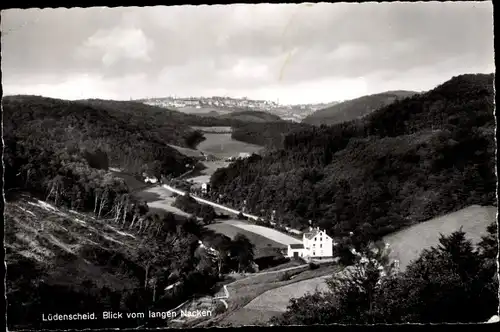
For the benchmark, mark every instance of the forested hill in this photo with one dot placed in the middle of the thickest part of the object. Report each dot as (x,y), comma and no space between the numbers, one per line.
(355,108)
(124,135)
(159,115)
(269,134)
(420,157)
(251,116)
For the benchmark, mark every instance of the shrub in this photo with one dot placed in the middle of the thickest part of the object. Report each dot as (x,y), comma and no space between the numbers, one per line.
(313,266)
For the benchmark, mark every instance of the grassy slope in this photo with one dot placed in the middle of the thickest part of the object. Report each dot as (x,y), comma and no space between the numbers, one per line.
(407,244)
(244,291)
(231,231)
(355,108)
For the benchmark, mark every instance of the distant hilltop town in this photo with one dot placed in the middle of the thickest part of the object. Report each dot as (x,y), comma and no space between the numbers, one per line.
(286,112)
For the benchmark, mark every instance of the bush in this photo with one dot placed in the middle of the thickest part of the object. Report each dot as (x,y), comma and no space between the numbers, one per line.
(285,276)
(313,266)
(219,308)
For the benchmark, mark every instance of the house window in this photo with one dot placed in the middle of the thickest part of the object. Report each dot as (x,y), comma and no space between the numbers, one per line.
(321,245)
(314,245)
(314,254)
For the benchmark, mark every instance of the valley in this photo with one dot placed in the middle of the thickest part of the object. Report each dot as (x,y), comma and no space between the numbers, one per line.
(264,165)
(86,216)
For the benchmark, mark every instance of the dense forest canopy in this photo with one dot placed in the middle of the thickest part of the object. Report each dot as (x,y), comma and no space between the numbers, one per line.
(416,158)
(269,134)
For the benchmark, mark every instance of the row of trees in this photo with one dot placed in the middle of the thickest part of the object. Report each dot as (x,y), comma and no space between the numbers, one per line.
(450,283)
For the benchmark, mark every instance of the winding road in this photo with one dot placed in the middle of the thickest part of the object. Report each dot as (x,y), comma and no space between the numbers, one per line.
(204,201)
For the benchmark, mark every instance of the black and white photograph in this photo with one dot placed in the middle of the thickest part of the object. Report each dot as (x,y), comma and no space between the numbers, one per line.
(201,166)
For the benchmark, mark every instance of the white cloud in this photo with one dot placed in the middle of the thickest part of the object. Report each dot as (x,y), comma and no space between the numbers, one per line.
(83,86)
(111,45)
(349,51)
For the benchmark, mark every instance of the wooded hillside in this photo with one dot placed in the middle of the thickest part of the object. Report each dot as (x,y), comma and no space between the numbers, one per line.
(417,158)
(355,108)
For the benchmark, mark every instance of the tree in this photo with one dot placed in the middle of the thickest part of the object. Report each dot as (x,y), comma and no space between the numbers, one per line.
(222,244)
(444,284)
(243,251)
(356,287)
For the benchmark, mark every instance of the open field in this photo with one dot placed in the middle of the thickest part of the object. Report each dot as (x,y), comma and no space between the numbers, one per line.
(214,129)
(244,291)
(278,299)
(291,264)
(408,243)
(158,198)
(211,167)
(222,145)
(231,231)
(187,152)
(132,182)
(269,233)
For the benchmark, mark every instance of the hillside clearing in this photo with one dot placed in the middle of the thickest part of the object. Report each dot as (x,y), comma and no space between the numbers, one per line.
(158,198)
(187,151)
(269,233)
(224,146)
(408,243)
(211,167)
(231,231)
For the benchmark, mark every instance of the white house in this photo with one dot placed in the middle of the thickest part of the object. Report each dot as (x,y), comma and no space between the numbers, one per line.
(315,243)
(296,250)
(244,155)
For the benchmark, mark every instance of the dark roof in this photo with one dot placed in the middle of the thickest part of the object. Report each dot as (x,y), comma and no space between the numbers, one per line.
(312,234)
(297,246)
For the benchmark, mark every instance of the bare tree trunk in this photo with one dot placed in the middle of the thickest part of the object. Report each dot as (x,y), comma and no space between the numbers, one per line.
(104,201)
(219,265)
(125,208)
(57,195)
(133,221)
(146,277)
(95,203)
(154,291)
(141,221)
(146,226)
(50,193)
(118,208)
(28,173)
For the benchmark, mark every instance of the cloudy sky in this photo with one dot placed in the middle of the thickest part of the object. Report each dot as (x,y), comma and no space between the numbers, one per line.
(294,53)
